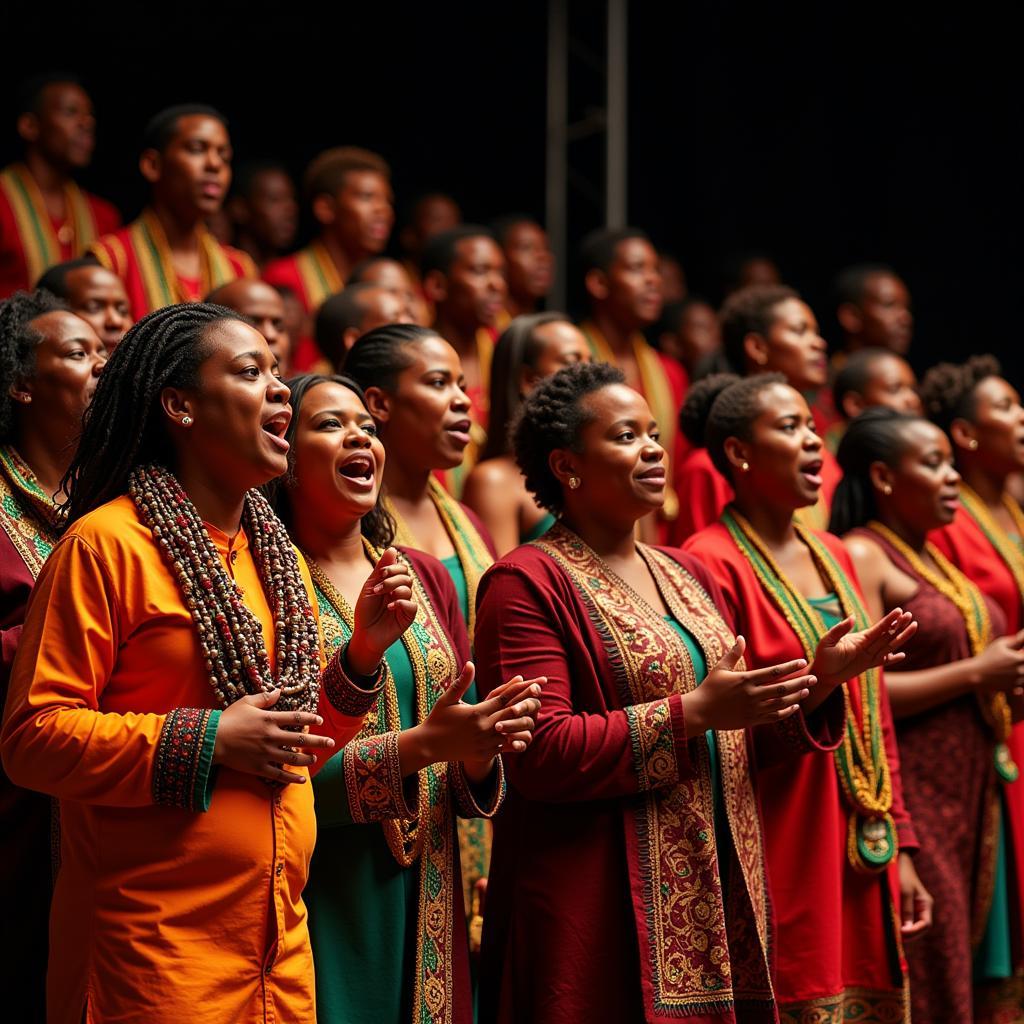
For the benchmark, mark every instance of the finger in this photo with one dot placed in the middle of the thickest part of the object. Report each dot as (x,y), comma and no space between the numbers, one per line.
(406,608)
(894,659)
(773,673)
(281,718)
(398,592)
(263,699)
(512,738)
(1017,639)
(504,704)
(458,689)
(524,723)
(784,694)
(279,774)
(283,738)
(729,660)
(296,758)
(903,636)
(769,717)
(836,633)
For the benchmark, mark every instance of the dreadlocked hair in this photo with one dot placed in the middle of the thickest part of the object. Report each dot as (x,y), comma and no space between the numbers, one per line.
(876,435)
(551,417)
(693,417)
(732,414)
(124,427)
(947,389)
(18,341)
(377,526)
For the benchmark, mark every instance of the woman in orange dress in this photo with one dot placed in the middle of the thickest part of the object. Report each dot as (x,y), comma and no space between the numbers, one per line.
(166,681)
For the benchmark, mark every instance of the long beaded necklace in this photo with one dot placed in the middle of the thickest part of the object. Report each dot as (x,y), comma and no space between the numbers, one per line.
(861,763)
(230,635)
(956,587)
(434,669)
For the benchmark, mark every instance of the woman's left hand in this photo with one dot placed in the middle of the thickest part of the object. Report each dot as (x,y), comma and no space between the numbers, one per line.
(915,900)
(385,609)
(842,655)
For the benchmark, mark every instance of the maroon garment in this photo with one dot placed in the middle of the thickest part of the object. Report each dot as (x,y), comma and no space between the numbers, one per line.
(951,791)
(25,832)
(569,922)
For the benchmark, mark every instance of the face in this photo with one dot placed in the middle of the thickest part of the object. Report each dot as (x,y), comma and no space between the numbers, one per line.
(759,270)
(263,306)
(621,464)
(794,347)
(476,289)
(699,334)
(433,215)
(529,261)
(363,212)
(380,307)
(891,383)
(390,274)
(673,279)
(193,173)
(998,426)
(68,364)
(99,298)
(634,284)
(886,319)
(784,453)
(428,413)
(564,345)
(925,485)
(273,210)
(338,458)
(64,126)
(240,409)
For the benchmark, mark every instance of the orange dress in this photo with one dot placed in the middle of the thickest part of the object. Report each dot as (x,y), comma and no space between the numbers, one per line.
(169,866)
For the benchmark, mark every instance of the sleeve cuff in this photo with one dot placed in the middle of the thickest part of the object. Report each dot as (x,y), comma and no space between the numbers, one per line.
(467,797)
(906,836)
(373,779)
(657,733)
(183,773)
(346,695)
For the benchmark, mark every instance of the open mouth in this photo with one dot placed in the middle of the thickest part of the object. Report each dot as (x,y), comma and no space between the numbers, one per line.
(459,431)
(276,427)
(811,472)
(358,467)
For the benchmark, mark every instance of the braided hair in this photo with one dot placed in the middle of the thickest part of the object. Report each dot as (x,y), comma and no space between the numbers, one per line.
(378,357)
(377,526)
(551,417)
(732,414)
(517,347)
(123,426)
(693,417)
(876,435)
(18,342)
(947,389)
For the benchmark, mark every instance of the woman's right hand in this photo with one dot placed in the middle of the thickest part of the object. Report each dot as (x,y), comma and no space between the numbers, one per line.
(254,740)
(728,699)
(1000,667)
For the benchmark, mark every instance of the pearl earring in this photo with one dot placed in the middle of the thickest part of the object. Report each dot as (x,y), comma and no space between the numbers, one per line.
(887,490)
(973,444)
(186,421)
(574,482)
(745,466)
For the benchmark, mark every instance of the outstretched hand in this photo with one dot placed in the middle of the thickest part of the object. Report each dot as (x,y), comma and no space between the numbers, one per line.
(842,654)
(384,610)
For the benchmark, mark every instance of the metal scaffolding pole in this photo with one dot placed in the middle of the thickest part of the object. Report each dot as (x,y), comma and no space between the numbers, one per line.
(558,144)
(615,130)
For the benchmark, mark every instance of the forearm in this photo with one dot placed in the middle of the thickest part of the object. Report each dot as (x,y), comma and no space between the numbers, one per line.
(910,693)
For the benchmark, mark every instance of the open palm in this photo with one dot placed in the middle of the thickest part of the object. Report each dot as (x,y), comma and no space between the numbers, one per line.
(842,655)
(385,608)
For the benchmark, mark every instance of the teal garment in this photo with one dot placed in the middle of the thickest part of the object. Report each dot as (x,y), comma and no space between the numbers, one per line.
(828,608)
(539,530)
(458,575)
(994,956)
(362,905)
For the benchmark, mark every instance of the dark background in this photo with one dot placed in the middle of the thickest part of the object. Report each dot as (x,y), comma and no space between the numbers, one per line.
(823,135)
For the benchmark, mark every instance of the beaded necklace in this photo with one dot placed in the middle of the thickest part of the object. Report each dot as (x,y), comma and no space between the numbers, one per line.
(230,635)
(956,587)
(861,763)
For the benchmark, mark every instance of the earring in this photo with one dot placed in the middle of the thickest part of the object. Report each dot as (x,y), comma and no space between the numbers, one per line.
(887,490)
(574,482)
(745,466)
(973,444)
(186,421)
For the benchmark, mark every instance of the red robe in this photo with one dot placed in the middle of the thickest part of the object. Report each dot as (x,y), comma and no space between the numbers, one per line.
(131,254)
(964,544)
(704,492)
(600,907)
(17,269)
(836,937)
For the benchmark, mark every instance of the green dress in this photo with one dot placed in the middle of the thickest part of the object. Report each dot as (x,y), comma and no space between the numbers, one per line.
(538,530)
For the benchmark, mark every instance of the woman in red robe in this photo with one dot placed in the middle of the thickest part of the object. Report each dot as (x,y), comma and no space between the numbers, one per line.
(952,699)
(833,821)
(982,414)
(627,881)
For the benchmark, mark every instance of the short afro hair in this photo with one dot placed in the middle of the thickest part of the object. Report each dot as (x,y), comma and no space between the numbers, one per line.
(947,390)
(852,283)
(18,341)
(551,417)
(441,251)
(55,280)
(732,414)
(29,92)
(750,310)
(326,174)
(600,248)
(162,127)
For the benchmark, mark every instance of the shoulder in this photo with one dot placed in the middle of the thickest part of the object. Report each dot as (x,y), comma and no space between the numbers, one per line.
(713,540)
(498,472)
(528,563)
(870,559)
(241,261)
(111,527)
(834,544)
(112,249)
(107,215)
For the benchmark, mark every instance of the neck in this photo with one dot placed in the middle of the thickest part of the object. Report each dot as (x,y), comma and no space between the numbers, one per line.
(215,501)
(913,536)
(182,235)
(47,457)
(460,337)
(406,483)
(989,486)
(619,338)
(49,177)
(521,305)
(773,525)
(611,541)
(342,259)
(334,544)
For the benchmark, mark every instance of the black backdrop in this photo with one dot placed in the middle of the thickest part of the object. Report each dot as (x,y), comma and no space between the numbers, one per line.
(826,135)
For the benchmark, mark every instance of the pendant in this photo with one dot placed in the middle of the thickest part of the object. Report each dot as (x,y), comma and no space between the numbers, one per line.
(65,233)
(1006,767)
(875,840)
